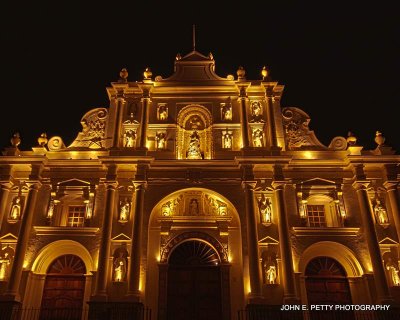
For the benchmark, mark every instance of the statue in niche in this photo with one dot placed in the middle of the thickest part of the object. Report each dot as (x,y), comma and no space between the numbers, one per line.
(120,267)
(129,138)
(193,151)
(264,206)
(162,113)
(124,210)
(258,138)
(226,111)
(256,112)
(270,271)
(5,261)
(160,140)
(227,140)
(380,212)
(194,207)
(15,211)
(393,272)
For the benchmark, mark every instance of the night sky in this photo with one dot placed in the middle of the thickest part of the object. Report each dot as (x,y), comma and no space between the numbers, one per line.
(340,64)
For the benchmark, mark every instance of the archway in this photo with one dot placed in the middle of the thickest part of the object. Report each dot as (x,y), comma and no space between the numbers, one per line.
(194,282)
(64,288)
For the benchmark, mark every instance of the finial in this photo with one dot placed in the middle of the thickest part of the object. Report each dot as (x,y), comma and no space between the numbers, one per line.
(379,138)
(42,140)
(194,37)
(178,57)
(351,139)
(15,140)
(264,73)
(147,73)
(123,74)
(241,73)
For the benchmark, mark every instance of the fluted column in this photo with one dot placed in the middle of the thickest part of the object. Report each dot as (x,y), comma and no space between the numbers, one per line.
(391,188)
(136,248)
(243,118)
(272,138)
(100,292)
(4,193)
(252,241)
(118,119)
(144,121)
(382,288)
(12,291)
(285,246)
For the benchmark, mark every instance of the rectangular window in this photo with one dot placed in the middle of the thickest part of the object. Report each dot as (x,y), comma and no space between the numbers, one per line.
(76,216)
(316,215)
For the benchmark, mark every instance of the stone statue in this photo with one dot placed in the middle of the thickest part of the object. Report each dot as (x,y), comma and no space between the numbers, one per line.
(194,207)
(380,212)
(15,212)
(393,272)
(162,113)
(226,112)
(264,206)
(193,151)
(124,210)
(120,268)
(258,138)
(270,274)
(160,140)
(129,138)
(5,261)
(227,141)
(256,112)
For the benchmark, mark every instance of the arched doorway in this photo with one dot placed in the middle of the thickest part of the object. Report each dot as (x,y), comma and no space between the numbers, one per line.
(327,284)
(194,282)
(64,288)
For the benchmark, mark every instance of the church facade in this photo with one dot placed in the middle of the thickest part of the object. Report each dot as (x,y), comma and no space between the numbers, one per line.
(197,196)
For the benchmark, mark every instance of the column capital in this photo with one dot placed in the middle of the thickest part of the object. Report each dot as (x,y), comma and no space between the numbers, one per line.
(278,184)
(111,184)
(6,185)
(391,185)
(249,185)
(361,184)
(140,185)
(33,184)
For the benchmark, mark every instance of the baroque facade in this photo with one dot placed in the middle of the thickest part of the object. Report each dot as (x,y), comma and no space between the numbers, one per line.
(197,195)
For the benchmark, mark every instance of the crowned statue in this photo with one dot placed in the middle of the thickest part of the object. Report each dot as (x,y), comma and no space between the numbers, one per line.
(193,151)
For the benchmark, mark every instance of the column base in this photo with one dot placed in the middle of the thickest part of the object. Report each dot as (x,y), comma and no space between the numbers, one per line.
(99,298)
(133,297)
(265,311)
(116,310)
(291,300)
(10,310)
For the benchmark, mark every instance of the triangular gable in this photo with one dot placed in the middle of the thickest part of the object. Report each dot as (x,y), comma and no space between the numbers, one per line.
(121,237)
(9,237)
(268,240)
(74,183)
(388,241)
(318,182)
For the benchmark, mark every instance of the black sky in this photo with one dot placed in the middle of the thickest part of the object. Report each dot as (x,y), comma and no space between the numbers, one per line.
(340,64)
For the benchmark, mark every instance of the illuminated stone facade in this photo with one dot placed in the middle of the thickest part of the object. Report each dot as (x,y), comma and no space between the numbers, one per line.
(198,176)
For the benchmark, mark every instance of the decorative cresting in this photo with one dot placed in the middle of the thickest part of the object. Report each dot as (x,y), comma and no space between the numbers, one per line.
(194,134)
(298,135)
(93,134)
(187,236)
(194,203)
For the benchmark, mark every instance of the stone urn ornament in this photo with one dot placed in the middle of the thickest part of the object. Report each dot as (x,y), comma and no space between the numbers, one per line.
(379,138)
(15,140)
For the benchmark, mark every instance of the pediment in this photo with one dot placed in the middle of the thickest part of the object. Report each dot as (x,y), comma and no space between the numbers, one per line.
(121,237)
(74,183)
(194,67)
(318,182)
(9,237)
(268,241)
(388,241)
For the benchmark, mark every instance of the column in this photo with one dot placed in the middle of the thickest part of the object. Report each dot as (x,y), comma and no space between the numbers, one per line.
(118,119)
(252,241)
(143,121)
(382,288)
(4,193)
(285,246)
(100,292)
(243,117)
(391,187)
(12,291)
(272,139)
(136,248)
